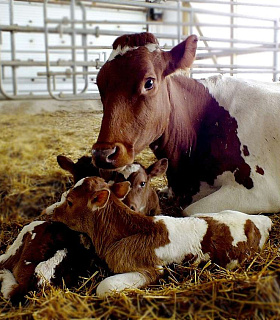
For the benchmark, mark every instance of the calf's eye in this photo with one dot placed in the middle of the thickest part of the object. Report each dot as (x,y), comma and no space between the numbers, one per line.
(142,184)
(70,203)
(149,84)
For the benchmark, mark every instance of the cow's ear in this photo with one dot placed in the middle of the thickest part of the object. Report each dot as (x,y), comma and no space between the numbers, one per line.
(121,189)
(99,199)
(158,168)
(66,163)
(182,56)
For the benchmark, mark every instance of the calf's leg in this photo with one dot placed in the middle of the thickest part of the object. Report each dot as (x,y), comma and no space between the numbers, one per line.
(121,281)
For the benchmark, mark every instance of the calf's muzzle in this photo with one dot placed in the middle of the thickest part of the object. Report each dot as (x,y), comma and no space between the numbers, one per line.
(111,156)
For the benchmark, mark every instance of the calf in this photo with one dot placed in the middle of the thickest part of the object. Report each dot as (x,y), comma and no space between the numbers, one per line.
(43,252)
(142,197)
(136,246)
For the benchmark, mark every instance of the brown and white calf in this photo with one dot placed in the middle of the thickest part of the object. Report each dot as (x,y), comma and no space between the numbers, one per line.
(220,135)
(135,246)
(43,252)
(141,197)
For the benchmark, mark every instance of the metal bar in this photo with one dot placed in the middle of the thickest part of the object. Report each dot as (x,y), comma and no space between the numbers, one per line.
(201,11)
(13,48)
(118,33)
(84,44)
(95,64)
(231,33)
(275,53)
(234,66)
(66,73)
(179,18)
(167,23)
(233,71)
(73,42)
(236,3)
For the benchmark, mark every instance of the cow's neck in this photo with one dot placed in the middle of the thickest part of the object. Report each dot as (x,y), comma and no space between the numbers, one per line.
(115,222)
(189,101)
(200,135)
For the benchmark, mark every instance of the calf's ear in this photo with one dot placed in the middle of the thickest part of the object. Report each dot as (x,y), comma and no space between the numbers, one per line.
(121,189)
(99,199)
(158,168)
(65,163)
(182,56)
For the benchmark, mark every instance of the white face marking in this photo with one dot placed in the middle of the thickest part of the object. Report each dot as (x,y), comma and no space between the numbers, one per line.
(129,169)
(8,282)
(46,269)
(121,51)
(18,242)
(51,208)
(185,235)
(79,183)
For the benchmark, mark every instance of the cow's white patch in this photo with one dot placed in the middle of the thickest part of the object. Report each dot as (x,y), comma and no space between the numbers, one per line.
(51,208)
(18,242)
(121,51)
(119,282)
(8,282)
(46,269)
(129,169)
(185,235)
(256,108)
(27,262)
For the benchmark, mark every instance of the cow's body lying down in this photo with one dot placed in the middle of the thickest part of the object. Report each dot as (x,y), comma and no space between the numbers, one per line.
(221,135)
(136,246)
(43,252)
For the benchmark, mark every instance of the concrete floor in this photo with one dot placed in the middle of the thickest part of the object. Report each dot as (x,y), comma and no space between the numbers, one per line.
(47,105)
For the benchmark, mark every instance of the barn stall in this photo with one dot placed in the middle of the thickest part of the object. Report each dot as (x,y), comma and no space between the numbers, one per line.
(51,52)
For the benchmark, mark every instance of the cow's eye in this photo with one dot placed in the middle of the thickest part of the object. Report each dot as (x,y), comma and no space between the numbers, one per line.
(70,203)
(149,84)
(142,184)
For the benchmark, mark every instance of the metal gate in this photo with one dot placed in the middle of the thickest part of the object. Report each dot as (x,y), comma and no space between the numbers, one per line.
(59,48)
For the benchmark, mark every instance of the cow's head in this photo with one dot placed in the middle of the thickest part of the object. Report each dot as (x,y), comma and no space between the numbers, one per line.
(133,85)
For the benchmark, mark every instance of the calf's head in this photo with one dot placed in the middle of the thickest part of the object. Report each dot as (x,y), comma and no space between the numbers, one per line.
(81,169)
(133,85)
(142,197)
(84,202)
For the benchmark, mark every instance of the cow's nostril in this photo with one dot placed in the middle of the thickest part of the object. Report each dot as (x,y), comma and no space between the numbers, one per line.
(111,156)
(132,207)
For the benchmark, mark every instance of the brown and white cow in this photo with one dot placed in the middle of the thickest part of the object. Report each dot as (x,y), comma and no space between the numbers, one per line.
(43,252)
(142,197)
(220,135)
(136,246)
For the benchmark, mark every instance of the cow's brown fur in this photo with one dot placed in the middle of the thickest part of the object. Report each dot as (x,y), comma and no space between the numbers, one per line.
(177,118)
(39,246)
(123,238)
(127,240)
(218,236)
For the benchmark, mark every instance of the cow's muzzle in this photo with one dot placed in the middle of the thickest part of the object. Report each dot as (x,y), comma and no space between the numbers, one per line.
(111,156)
